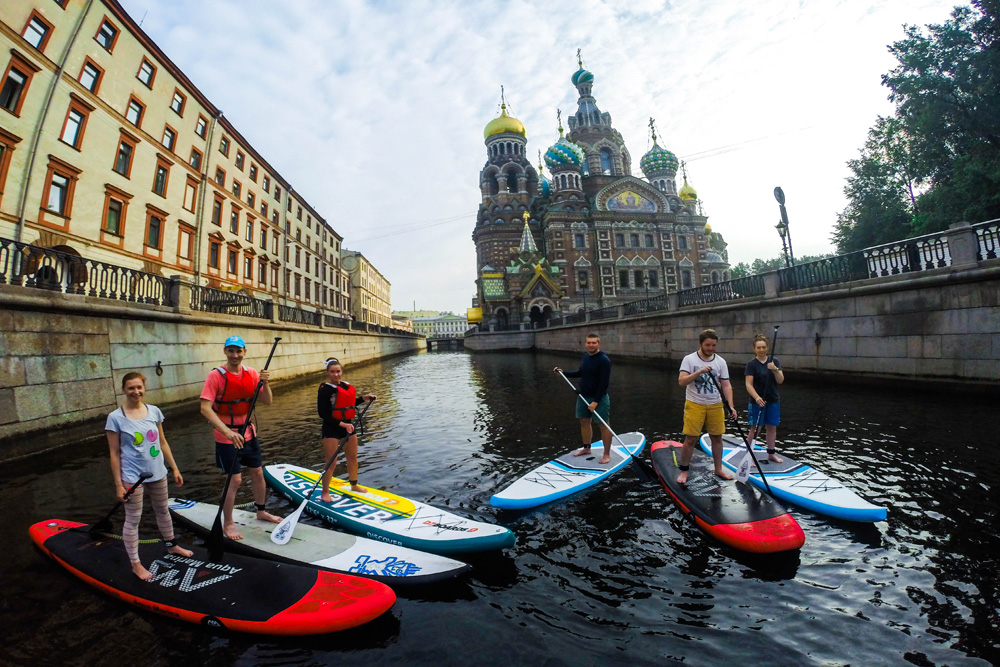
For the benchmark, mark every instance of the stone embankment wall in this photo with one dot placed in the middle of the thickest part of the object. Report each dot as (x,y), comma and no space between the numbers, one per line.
(62,357)
(941,326)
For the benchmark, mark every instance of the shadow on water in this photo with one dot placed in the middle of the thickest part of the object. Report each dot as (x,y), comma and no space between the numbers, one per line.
(615,574)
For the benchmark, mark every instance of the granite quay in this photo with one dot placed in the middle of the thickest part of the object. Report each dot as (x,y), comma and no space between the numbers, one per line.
(923,308)
(70,328)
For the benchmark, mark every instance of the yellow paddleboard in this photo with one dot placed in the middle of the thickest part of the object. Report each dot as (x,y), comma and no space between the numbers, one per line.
(384,500)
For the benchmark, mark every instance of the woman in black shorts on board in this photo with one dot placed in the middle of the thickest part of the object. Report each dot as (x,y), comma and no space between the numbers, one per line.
(336,403)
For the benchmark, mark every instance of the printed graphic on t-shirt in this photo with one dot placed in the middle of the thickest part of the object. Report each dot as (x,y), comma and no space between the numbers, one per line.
(703,384)
(151,436)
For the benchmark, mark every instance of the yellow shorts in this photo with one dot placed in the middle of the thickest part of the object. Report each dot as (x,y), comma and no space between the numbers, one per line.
(698,417)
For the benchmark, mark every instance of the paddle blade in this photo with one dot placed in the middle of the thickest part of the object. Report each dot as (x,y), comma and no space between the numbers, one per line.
(215,547)
(743,469)
(283,533)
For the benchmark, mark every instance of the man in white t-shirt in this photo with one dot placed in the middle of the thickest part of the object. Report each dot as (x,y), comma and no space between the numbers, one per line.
(703,404)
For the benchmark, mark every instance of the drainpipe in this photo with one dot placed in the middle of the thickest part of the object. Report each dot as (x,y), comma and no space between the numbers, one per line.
(200,219)
(26,180)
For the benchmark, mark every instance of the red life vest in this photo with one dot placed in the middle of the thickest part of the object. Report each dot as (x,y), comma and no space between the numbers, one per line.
(345,399)
(236,395)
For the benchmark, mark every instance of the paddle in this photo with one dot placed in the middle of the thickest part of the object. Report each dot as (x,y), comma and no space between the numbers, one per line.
(739,429)
(283,533)
(104,525)
(645,474)
(215,538)
(743,469)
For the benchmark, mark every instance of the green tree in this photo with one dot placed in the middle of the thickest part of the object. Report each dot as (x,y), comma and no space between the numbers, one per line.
(937,159)
(741,270)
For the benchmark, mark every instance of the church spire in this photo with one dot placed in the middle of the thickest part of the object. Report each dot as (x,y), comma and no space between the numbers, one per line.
(527,240)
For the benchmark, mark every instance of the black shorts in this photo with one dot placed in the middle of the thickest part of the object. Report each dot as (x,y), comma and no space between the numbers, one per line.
(249,456)
(335,430)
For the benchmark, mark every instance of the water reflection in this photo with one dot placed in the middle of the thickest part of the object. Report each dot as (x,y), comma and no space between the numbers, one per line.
(610,576)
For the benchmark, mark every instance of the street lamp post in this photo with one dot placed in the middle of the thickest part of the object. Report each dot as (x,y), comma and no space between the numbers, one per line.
(782,227)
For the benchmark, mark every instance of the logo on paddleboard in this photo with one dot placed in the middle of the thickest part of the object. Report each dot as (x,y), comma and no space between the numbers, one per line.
(188,574)
(387,567)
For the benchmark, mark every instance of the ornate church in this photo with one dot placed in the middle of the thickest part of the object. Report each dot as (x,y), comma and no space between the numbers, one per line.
(591,235)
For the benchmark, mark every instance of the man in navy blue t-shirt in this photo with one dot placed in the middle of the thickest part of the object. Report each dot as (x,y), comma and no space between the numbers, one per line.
(594,374)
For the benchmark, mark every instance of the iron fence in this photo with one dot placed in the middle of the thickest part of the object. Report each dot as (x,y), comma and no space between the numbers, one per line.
(212,300)
(29,265)
(298,316)
(988,236)
(730,290)
(337,322)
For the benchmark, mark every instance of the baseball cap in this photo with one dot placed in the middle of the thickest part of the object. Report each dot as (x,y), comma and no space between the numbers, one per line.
(234,341)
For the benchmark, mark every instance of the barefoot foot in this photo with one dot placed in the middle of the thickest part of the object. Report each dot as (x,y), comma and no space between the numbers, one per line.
(357,488)
(683,477)
(605,459)
(141,572)
(267,516)
(722,474)
(775,458)
(582,452)
(326,498)
(230,531)
(180,551)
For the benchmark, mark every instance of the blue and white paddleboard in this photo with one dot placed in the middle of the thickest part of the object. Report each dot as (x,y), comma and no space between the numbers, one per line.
(381,515)
(799,483)
(568,474)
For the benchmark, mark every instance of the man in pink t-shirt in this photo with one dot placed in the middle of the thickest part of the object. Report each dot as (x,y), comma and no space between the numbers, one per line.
(225,402)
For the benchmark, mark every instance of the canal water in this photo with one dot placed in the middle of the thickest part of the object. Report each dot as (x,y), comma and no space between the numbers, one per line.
(615,575)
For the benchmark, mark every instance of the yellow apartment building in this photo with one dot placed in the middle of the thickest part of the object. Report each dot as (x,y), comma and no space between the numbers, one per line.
(370,291)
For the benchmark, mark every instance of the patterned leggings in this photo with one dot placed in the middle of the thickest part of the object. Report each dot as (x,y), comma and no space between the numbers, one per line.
(133,512)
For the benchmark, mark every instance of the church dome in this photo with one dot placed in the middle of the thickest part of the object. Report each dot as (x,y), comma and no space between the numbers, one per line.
(658,162)
(582,76)
(713,257)
(503,123)
(563,153)
(688,193)
(543,186)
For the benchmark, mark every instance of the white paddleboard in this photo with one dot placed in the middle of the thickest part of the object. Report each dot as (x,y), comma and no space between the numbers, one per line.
(324,548)
(568,474)
(799,483)
(381,515)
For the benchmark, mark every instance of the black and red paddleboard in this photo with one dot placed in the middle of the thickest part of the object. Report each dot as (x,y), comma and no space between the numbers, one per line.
(734,513)
(241,594)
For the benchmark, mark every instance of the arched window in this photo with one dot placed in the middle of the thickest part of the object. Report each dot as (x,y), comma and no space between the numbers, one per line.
(578,241)
(633,240)
(715,276)
(649,240)
(606,162)
(494,186)
(562,178)
(511,181)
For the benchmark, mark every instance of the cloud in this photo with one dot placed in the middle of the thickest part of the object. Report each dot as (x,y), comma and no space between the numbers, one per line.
(374,110)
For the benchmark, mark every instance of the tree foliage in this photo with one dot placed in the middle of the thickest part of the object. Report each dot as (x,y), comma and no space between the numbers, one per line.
(936,161)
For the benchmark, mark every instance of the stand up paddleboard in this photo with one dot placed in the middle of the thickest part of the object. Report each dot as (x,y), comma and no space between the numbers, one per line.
(734,513)
(568,474)
(799,483)
(384,516)
(323,548)
(240,594)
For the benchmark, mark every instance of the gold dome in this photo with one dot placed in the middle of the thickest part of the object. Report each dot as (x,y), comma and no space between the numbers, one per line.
(503,123)
(687,193)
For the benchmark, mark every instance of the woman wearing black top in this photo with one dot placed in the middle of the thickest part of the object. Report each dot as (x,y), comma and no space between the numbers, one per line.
(335,403)
(762,379)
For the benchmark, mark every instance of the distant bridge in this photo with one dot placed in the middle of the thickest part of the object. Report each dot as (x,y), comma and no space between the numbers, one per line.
(446,343)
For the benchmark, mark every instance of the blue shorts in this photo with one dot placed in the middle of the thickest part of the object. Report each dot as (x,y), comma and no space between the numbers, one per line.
(772,414)
(249,456)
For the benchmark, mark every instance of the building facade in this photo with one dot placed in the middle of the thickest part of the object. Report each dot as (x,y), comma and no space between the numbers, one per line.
(108,151)
(445,325)
(370,291)
(592,234)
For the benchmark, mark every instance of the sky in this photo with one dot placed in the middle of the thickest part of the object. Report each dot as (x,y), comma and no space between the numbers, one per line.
(374,111)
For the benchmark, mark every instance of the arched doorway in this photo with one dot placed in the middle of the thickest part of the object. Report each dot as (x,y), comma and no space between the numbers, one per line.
(503,318)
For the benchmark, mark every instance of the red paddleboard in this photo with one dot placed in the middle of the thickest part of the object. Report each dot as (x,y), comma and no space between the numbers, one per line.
(732,512)
(241,594)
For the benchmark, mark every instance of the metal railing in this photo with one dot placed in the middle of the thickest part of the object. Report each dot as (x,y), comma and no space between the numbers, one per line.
(29,265)
(606,313)
(988,237)
(337,322)
(730,290)
(298,315)
(211,300)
